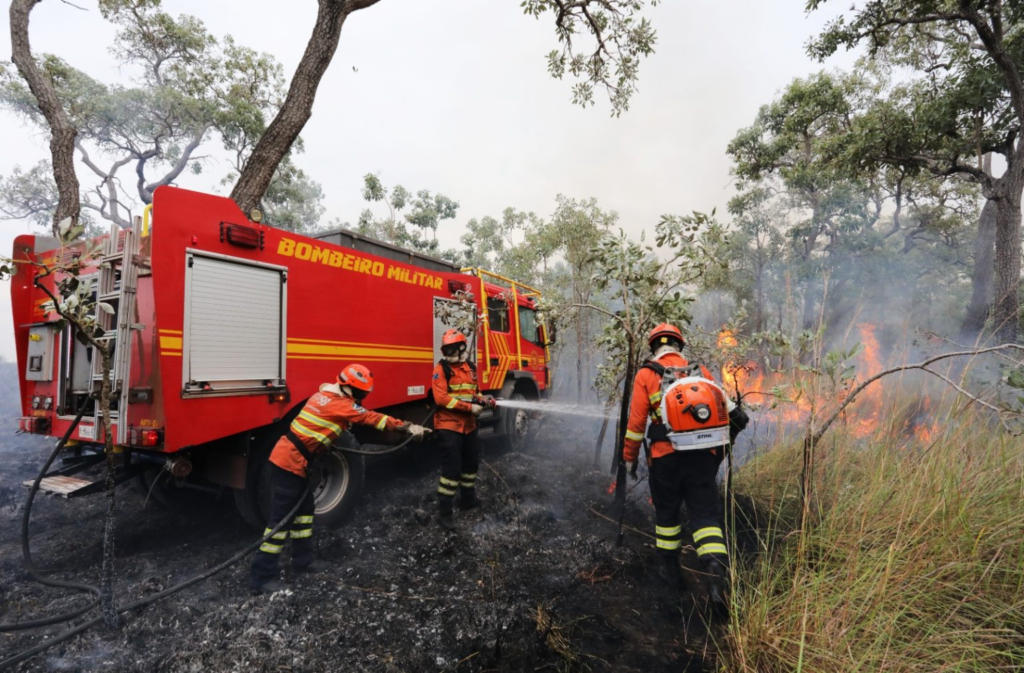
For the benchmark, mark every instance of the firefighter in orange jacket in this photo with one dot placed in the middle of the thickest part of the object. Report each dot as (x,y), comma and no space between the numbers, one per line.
(458,404)
(324,417)
(678,476)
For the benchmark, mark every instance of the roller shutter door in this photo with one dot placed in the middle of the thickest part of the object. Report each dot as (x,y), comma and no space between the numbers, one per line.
(234,333)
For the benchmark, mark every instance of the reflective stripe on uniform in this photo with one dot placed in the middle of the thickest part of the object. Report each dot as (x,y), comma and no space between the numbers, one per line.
(468,480)
(305,532)
(280,535)
(662,531)
(635,436)
(449,482)
(470,477)
(323,423)
(464,398)
(452,403)
(707,532)
(271,548)
(669,544)
(712,548)
(445,491)
(462,386)
(305,518)
(382,423)
(655,398)
(300,430)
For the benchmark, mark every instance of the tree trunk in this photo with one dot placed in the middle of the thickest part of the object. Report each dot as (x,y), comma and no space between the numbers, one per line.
(620,439)
(1005,309)
(809,315)
(275,144)
(62,132)
(982,274)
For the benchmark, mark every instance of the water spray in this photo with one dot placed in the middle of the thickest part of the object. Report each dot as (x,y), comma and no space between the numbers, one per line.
(585,410)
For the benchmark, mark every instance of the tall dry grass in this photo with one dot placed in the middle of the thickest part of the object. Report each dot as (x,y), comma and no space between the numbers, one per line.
(913,560)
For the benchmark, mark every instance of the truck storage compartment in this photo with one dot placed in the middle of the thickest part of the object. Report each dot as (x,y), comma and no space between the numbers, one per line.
(234,333)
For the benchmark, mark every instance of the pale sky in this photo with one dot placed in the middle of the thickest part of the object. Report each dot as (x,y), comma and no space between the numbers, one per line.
(454,97)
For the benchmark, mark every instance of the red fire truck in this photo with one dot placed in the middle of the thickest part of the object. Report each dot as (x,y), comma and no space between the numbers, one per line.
(223,326)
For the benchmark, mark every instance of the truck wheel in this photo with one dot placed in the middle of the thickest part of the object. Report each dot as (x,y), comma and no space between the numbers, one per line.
(340,487)
(336,495)
(517,424)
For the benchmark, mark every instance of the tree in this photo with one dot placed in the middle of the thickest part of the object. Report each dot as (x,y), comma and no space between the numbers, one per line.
(620,36)
(571,232)
(647,290)
(62,131)
(967,102)
(426,213)
(75,305)
(187,87)
(794,141)
(513,246)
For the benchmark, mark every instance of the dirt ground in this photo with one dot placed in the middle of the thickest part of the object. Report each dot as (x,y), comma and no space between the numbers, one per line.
(533,581)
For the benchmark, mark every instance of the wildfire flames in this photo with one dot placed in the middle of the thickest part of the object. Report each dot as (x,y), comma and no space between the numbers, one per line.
(793,404)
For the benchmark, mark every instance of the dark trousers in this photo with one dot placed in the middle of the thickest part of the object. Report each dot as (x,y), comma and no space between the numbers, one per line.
(286,490)
(460,458)
(688,476)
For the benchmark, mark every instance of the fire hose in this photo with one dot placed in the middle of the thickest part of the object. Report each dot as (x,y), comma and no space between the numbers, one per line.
(143,602)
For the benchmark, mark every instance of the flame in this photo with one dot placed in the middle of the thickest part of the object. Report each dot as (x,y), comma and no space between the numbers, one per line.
(864,416)
(869,363)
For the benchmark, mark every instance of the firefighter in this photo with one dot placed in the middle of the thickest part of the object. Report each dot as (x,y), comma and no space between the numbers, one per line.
(678,476)
(458,405)
(323,418)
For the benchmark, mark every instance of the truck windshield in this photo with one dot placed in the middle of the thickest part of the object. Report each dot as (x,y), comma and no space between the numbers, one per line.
(528,324)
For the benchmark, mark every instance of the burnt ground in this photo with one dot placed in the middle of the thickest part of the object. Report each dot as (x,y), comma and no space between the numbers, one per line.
(532,581)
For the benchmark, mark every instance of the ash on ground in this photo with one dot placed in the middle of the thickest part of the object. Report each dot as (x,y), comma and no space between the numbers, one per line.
(534,580)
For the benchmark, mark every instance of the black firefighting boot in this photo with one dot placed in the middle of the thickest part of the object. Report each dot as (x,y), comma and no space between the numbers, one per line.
(266,586)
(316,566)
(468,500)
(718,587)
(446,521)
(669,571)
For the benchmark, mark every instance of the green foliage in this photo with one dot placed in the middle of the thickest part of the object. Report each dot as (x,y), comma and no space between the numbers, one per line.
(620,37)
(647,285)
(417,229)
(815,200)
(188,89)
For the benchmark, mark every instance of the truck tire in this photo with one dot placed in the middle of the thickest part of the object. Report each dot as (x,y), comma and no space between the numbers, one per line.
(336,495)
(517,425)
(340,488)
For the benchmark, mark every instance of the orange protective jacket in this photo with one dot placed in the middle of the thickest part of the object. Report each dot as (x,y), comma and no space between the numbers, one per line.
(646,403)
(325,415)
(455,398)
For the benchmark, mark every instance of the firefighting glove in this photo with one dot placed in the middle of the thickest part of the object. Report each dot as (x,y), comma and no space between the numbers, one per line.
(418,432)
(631,469)
(738,421)
(477,409)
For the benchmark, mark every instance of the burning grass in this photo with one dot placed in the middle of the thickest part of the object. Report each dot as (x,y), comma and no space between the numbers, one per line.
(913,559)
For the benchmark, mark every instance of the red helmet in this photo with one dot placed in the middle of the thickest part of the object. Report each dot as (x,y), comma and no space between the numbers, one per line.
(358,378)
(452,337)
(663,334)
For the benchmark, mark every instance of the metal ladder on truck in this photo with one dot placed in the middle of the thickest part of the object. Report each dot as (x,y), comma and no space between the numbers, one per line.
(116,287)
(118,280)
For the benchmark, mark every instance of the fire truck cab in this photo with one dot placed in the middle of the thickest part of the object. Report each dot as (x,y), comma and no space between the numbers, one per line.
(222,326)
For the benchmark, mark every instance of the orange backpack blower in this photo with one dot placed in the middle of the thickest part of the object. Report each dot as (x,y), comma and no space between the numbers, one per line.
(693,409)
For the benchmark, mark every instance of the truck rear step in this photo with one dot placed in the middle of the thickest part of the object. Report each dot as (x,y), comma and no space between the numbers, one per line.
(63,486)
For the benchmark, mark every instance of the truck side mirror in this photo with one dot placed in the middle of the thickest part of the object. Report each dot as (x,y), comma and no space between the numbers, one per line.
(550,334)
